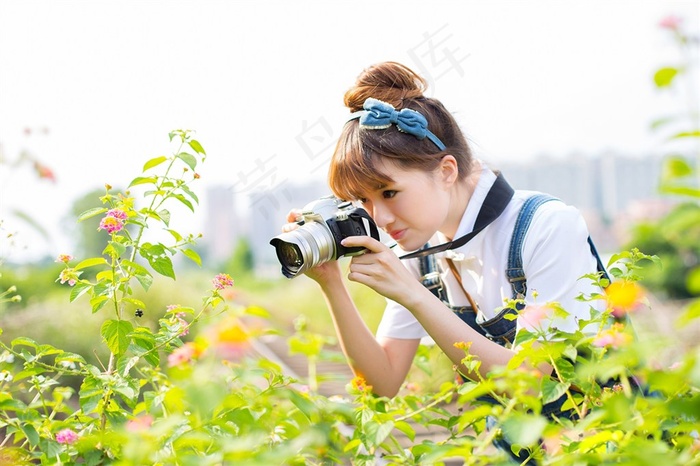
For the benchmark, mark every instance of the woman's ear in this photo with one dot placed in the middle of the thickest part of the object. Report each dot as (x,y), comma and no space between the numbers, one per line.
(448,170)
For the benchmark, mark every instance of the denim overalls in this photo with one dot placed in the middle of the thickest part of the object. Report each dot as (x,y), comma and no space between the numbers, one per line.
(498,328)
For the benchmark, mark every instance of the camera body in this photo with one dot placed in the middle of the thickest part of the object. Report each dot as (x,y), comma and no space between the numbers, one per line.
(323,224)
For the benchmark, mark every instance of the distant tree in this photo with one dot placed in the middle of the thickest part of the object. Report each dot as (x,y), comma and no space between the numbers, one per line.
(242,259)
(676,240)
(676,237)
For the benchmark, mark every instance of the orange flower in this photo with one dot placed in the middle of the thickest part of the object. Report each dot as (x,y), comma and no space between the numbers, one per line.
(231,339)
(44,172)
(360,384)
(623,297)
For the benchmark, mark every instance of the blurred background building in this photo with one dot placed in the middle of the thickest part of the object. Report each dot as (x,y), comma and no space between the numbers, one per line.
(613,192)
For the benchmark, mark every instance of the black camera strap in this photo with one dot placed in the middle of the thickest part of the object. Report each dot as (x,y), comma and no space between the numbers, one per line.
(495,203)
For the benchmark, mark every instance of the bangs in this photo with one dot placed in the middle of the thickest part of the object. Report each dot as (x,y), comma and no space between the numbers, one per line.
(354,170)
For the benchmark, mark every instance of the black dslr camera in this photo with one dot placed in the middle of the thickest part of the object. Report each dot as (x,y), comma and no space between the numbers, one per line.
(324,223)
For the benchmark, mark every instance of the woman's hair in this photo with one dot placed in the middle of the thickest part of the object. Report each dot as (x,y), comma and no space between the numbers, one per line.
(354,168)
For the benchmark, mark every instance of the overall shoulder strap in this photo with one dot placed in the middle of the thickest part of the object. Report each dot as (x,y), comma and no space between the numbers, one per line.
(514,271)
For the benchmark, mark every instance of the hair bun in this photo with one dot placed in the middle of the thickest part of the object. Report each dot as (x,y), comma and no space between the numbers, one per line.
(390,82)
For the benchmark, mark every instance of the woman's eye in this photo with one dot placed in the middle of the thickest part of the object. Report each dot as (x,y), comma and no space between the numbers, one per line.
(388,194)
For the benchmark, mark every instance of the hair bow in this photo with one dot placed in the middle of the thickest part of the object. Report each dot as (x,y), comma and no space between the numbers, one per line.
(381,115)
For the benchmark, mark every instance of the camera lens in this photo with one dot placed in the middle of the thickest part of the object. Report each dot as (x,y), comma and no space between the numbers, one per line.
(290,255)
(304,248)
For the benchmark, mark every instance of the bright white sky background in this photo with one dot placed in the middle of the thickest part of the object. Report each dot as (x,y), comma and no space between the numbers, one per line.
(262,82)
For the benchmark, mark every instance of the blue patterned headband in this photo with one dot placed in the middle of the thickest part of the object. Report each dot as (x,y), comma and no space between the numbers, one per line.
(381,115)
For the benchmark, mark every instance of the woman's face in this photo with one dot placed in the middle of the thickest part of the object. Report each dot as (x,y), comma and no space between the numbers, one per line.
(412,207)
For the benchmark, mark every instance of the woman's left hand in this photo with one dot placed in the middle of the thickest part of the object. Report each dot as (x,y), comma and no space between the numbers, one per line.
(380,269)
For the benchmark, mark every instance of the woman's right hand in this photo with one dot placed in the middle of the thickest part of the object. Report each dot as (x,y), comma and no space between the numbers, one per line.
(322,273)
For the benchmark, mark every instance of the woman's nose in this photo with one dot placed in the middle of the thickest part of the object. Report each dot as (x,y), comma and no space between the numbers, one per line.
(381,215)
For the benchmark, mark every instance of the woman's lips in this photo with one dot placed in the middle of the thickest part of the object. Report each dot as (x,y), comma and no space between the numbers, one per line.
(397,234)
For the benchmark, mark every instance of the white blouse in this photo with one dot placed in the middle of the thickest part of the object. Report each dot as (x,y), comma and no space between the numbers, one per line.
(555,254)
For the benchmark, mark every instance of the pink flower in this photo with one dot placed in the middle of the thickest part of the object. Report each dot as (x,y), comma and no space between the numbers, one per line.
(613,337)
(671,22)
(65,258)
(66,436)
(184,354)
(111,224)
(532,315)
(222,280)
(139,424)
(117,213)
(68,275)
(172,307)
(180,317)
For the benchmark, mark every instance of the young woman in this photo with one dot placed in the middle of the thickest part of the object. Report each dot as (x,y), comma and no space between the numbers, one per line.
(403,156)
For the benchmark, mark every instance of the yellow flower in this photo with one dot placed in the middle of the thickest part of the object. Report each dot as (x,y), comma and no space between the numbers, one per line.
(623,297)
(360,384)
(231,339)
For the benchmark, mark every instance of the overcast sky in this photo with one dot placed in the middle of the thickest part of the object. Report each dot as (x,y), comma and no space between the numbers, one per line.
(261,83)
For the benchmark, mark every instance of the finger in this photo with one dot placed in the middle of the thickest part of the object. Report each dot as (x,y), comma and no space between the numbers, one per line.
(293,215)
(366,242)
(287,227)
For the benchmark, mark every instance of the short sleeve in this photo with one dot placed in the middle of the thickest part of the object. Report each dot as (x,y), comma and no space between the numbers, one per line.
(556,256)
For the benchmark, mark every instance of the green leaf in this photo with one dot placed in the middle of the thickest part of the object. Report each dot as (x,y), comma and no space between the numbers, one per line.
(193,256)
(164,215)
(163,265)
(675,167)
(524,429)
(24,341)
(90,394)
(115,249)
(154,162)
(664,76)
(143,180)
(690,314)
(146,280)
(257,311)
(116,335)
(134,301)
(189,159)
(67,356)
(98,302)
(143,341)
(686,134)
(137,269)
(78,290)
(91,263)
(182,199)
(190,193)
(406,429)
(91,213)
(197,147)
(352,445)
(377,432)
(31,433)
(305,405)
(680,190)
(693,281)
(105,276)
(552,390)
